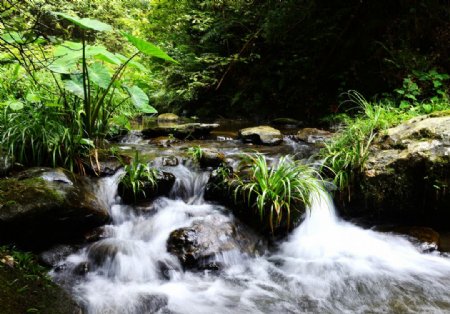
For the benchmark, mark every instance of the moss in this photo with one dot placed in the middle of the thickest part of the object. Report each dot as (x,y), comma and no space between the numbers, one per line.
(26,288)
(14,191)
(442,113)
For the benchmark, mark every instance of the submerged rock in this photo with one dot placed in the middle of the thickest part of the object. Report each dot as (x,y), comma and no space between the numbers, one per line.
(265,135)
(212,242)
(181,131)
(407,173)
(44,206)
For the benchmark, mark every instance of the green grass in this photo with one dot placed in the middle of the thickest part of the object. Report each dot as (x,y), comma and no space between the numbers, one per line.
(275,191)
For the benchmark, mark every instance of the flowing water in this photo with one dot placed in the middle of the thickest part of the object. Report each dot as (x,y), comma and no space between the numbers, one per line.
(325,266)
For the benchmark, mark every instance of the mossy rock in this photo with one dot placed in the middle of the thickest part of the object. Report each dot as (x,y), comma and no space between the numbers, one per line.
(43,207)
(26,290)
(264,135)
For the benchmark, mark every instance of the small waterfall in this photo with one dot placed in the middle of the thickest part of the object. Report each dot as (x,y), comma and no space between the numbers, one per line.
(326,265)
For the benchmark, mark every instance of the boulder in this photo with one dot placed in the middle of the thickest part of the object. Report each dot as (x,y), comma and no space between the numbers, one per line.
(407,173)
(181,131)
(265,135)
(313,135)
(427,239)
(168,117)
(164,141)
(44,206)
(170,161)
(211,158)
(164,183)
(210,242)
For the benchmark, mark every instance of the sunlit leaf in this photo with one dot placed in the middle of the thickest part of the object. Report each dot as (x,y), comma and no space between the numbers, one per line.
(75,88)
(85,23)
(140,99)
(99,75)
(147,48)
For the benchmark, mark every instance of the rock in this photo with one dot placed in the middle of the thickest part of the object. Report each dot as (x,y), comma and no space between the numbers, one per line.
(264,135)
(211,158)
(170,161)
(6,164)
(20,292)
(313,135)
(164,183)
(164,141)
(406,176)
(56,254)
(209,242)
(151,303)
(427,239)
(168,117)
(105,164)
(181,131)
(44,206)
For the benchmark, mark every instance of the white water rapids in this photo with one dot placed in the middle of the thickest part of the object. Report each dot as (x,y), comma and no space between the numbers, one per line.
(326,265)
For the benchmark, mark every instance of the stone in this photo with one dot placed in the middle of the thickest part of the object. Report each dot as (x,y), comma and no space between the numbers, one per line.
(44,207)
(313,135)
(164,141)
(265,135)
(406,176)
(170,161)
(168,117)
(211,158)
(53,256)
(180,131)
(427,239)
(105,164)
(207,243)
(6,164)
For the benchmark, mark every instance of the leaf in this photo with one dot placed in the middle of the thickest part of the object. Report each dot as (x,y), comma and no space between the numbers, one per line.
(140,99)
(132,63)
(85,23)
(15,105)
(33,98)
(99,75)
(404,104)
(75,88)
(147,48)
(427,108)
(108,57)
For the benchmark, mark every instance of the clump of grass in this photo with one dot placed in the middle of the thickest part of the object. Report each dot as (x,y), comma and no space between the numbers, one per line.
(139,177)
(278,190)
(195,152)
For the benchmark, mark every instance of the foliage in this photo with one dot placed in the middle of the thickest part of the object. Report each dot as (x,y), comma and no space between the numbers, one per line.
(138,176)
(195,152)
(72,88)
(275,191)
(24,261)
(347,153)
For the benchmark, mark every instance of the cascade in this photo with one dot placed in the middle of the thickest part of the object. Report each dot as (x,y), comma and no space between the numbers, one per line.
(326,265)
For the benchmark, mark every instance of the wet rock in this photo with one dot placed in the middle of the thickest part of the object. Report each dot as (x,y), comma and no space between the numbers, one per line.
(208,243)
(211,158)
(164,141)
(164,183)
(428,239)
(313,135)
(181,131)
(44,206)
(82,269)
(104,164)
(97,234)
(406,176)
(264,135)
(20,292)
(170,161)
(151,303)
(168,117)
(56,254)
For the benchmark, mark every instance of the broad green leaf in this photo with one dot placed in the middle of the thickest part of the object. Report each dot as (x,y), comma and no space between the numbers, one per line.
(33,97)
(147,48)
(99,75)
(75,88)
(140,99)
(108,57)
(427,108)
(122,121)
(12,37)
(132,63)
(85,23)
(15,105)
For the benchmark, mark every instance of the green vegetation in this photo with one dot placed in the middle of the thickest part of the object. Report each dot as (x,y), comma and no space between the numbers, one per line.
(195,152)
(347,153)
(139,177)
(275,191)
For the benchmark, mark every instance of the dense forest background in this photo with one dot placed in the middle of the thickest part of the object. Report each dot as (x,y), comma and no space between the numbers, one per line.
(261,59)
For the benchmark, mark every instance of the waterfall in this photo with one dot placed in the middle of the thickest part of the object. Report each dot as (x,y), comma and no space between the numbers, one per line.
(326,265)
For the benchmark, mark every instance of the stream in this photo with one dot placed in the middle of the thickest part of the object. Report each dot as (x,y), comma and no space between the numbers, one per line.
(326,265)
